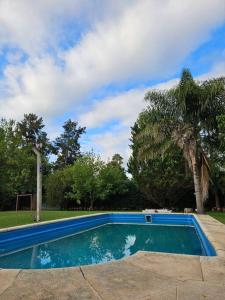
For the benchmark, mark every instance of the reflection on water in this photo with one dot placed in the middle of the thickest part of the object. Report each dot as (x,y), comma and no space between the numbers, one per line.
(130,241)
(106,243)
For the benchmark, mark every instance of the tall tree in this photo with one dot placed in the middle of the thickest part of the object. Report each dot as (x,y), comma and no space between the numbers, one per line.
(117,160)
(31,130)
(217,163)
(67,144)
(180,116)
(113,181)
(162,179)
(17,165)
(221,138)
(58,185)
(85,177)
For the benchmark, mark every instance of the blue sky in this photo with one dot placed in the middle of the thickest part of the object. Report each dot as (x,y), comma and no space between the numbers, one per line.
(93,61)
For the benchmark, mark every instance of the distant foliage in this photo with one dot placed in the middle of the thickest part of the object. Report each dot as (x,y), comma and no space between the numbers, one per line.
(73,181)
(18,162)
(17,165)
(67,145)
(87,182)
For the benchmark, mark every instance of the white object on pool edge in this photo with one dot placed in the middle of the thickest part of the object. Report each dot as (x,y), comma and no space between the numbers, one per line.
(150,211)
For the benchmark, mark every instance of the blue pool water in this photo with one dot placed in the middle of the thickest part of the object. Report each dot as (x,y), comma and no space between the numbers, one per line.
(105,243)
(98,239)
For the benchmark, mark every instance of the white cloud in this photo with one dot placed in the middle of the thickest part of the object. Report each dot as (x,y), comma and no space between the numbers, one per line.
(125,108)
(34,26)
(33,88)
(128,40)
(109,143)
(110,42)
(148,40)
(218,70)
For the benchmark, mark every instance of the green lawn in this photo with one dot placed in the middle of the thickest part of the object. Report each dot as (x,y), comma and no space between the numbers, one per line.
(220,216)
(13,218)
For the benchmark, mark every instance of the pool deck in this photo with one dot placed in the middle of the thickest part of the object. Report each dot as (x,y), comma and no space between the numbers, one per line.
(143,276)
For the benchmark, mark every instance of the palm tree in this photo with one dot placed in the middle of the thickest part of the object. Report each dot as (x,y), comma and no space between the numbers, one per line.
(187,117)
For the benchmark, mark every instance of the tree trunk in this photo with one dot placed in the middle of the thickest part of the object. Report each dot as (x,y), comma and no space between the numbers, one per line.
(187,169)
(91,205)
(91,201)
(198,192)
(217,200)
(196,178)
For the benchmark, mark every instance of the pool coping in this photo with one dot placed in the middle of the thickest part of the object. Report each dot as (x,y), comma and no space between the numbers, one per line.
(48,222)
(212,229)
(144,275)
(85,216)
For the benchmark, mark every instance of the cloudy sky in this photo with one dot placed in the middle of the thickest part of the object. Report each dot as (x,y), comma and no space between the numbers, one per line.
(93,60)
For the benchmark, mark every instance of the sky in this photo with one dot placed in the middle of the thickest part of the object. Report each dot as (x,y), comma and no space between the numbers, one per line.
(94,60)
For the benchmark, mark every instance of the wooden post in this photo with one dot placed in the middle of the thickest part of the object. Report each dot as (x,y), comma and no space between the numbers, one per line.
(17,199)
(39,183)
(31,204)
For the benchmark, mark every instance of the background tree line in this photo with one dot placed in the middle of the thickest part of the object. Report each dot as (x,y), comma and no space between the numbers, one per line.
(73,180)
(177,160)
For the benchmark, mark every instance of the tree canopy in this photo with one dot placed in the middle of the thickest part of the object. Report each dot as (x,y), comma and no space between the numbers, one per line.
(67,144)
(186,117)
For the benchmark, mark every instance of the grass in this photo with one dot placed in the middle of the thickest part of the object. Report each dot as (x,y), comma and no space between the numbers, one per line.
(220,216)
(13,218)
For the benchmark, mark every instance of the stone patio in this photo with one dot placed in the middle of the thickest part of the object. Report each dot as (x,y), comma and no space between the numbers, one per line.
(144,276)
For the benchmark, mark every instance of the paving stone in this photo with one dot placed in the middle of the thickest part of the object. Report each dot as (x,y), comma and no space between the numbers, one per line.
(208,219)
(215,235)
(213,269)
(174,266)
(168,294)
(217,228)
(215,231)
(6,278)
(197,290)
(221,253)
(121,281)
(50,284)
(218,241)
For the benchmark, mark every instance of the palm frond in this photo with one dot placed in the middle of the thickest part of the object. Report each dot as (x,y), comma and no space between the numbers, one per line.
(153,141)
(213,94)
(151,151)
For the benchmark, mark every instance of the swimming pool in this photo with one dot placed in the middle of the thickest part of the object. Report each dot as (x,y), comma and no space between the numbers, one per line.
(101,238)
